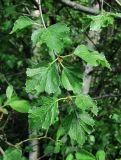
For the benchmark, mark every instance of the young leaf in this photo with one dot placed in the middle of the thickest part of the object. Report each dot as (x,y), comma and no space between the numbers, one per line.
(100,155)
(43,79)
(22,106)
(21,23)
(84,155)
(45,115)
(9,91)
(91,57)
(70,81)
(85,102)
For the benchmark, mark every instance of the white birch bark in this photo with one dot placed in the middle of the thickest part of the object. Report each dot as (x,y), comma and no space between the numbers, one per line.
(94,36)
(34,154)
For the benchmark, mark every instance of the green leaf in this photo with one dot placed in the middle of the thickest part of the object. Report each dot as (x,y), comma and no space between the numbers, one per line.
(91,57)
(84,155)
(60,132)
(87,119)
(85,102)
(100,21)
(22,106)
(77,125)
(76,132)
(71,81)
(36,35)
(70,157)
(56,36)
(100,155)
(43,79)
(9,91)
(13,154)
(21,23)
(44,116)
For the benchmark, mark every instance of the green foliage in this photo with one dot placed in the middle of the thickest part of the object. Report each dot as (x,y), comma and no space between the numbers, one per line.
(15,154)
(21,23)
(9,91)
(84,155)
(22,106)
(44,116)
(70,80)
(77,124)
(100,155)
(69,124)
(43,79)
(56,37)
(91,57)
(100,21)
(85,102)
(70,157)
(103,20)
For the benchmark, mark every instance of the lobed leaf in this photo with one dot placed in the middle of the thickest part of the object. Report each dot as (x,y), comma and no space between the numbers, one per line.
(43,79)
(45,115)
(91,57)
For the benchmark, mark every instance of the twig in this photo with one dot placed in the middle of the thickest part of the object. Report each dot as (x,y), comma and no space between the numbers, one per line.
(31,139)
(40,11)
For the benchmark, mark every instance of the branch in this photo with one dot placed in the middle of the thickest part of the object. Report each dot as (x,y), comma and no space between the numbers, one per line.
(32,139)
(1,151)
(119,3)
(79,7)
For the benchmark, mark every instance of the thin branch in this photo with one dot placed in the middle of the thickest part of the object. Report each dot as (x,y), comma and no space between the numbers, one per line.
(79,7)
(102,3)
(119,3)
(2,151)
(40,11)
(31,139)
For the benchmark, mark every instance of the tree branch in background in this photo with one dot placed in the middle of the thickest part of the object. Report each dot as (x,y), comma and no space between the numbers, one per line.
(79,7)
(1,151)
(119,3)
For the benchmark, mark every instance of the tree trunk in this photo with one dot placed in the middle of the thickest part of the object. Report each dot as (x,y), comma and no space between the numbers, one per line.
(93,39)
